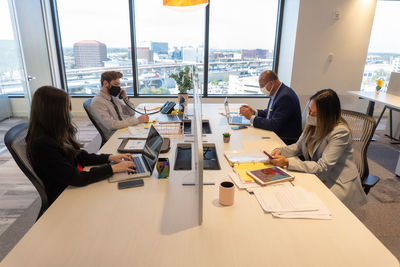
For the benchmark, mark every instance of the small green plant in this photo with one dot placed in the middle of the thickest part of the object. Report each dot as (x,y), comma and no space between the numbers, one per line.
(184,79)
(226,135)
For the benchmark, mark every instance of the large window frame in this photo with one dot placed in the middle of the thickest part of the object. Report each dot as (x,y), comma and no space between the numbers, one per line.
(60,54)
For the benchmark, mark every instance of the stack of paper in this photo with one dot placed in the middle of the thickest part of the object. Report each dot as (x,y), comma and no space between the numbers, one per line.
(291,202)
(241,184)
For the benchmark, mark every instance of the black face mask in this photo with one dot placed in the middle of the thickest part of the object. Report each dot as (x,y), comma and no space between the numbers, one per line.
(114,90)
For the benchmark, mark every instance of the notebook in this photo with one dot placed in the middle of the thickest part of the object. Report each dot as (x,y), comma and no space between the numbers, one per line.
(234,120)
(245,156)
(168,118)
(144,162)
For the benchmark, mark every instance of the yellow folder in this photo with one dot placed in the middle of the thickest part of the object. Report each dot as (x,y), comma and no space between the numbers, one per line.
(242,168)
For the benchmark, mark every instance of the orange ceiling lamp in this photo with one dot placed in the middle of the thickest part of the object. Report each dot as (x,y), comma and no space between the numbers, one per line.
(184,3)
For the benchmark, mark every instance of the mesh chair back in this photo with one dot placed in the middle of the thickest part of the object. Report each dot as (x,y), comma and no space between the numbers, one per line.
(15,142)
(362,129)
(304,114)
(86,106)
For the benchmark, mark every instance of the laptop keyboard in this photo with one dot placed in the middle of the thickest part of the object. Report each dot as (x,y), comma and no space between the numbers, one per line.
(139,165)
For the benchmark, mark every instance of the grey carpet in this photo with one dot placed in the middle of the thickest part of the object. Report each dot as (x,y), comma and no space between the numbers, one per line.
(384,154)
(19,228)
(387,191)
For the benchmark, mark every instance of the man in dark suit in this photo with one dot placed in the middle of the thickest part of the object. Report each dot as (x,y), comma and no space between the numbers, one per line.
(283,114)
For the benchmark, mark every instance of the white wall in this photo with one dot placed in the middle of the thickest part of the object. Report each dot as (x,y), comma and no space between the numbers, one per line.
(318,34)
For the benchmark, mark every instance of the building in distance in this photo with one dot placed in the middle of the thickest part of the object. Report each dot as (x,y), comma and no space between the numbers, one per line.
(89,53)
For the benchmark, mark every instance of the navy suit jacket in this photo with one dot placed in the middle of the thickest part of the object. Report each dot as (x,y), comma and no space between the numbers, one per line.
(285,116)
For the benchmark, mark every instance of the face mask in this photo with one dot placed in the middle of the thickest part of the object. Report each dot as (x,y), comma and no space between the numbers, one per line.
(311,120)
(265,91)
(114,90)
(71,115)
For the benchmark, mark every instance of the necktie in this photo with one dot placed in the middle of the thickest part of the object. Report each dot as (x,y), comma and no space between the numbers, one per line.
(116,109)
(269,108)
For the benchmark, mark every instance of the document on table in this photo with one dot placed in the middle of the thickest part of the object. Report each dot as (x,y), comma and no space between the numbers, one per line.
(240,184)
(291,202)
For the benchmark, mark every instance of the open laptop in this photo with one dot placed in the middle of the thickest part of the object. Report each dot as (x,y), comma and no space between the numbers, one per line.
(168,118)
(144,162)
(234,120)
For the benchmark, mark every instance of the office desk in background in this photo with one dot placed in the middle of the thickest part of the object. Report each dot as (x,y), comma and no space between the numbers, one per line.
(155,225)
(390,101)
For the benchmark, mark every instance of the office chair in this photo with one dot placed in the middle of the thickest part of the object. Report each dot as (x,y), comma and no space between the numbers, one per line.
(304,114)
(15,142)
(362,129)
(86,106)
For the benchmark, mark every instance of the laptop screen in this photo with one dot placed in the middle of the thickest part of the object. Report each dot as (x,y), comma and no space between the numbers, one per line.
(152,148)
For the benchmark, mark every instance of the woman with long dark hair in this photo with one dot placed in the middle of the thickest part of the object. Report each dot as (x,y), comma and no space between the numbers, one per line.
(53,150)
(325,144)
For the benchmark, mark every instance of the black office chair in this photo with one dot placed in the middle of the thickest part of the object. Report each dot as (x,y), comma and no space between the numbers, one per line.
(86,106)
(15,142)
(362,128)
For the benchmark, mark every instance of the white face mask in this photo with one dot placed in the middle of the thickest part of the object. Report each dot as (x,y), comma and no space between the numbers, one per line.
(265,91)
(311,120)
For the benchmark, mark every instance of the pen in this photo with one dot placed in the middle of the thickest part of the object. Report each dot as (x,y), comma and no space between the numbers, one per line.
(145,112)
(194,183)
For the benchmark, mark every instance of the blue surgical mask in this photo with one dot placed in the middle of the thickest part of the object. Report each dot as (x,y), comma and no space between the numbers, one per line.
(71,115)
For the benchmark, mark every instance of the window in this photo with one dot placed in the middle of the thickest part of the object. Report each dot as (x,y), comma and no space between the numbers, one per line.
(96,36)
(12,81)
(166,40)
(384,47)
(241,44)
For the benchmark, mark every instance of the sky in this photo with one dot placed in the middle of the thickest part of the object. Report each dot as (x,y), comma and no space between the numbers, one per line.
(233,25)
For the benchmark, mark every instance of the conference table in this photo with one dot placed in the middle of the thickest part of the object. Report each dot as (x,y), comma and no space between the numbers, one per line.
(156,225)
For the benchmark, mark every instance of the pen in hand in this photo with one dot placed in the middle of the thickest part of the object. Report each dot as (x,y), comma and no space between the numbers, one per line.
(145,112)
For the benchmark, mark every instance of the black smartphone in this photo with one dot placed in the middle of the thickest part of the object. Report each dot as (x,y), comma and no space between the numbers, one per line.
(128,184)
(238,127)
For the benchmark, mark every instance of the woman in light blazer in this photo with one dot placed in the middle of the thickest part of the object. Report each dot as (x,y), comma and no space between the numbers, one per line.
(325,144)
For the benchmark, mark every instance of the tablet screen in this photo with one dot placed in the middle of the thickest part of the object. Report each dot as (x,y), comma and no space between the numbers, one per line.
(270,174)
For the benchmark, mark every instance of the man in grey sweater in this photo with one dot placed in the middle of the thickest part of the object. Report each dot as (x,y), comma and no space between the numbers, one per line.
(111,112)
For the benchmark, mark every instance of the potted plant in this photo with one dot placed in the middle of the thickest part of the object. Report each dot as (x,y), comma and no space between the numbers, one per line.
(227,137)
(184,80)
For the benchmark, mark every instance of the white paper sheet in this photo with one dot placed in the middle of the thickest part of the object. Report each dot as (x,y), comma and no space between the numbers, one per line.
(291,202)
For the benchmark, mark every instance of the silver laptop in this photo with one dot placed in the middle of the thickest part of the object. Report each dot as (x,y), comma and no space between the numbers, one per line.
(168,118)
(234,120)
(145,162)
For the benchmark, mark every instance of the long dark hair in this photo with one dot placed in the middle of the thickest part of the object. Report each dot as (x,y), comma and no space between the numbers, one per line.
(328,116)
(50,118)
